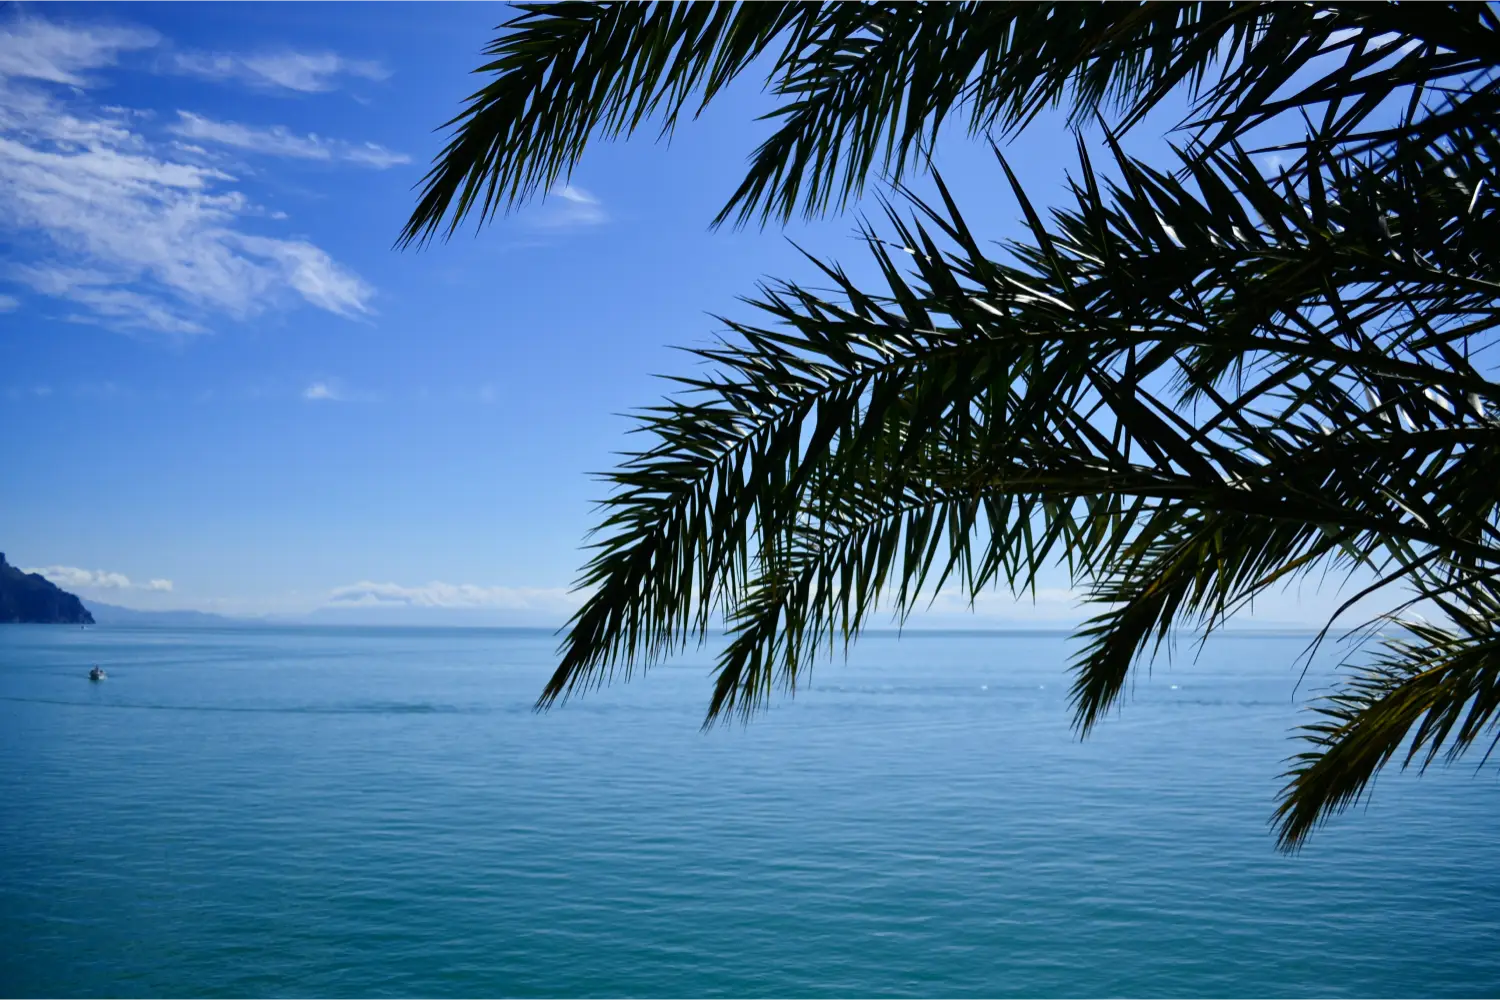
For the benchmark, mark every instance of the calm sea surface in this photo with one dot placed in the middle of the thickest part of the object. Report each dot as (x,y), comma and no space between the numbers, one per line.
(348,812)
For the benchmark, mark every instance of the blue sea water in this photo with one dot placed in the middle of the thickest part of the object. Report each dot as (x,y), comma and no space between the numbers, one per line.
(351,812)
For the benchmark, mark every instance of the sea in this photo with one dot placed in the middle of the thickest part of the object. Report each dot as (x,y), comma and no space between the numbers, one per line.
(347,812)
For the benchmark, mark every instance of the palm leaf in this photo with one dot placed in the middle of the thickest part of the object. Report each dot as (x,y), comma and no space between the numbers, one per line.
(1186,412)
(865,88)
(1432,690)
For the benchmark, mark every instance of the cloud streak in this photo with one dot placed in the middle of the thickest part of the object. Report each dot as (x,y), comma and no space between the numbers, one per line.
(323,391)
(367,594)
(135,234)
(299,72)
(34,49)
(568,207)
(74,578)
(277,140)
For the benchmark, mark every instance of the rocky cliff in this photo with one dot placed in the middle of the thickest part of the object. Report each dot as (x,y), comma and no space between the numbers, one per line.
(30,597)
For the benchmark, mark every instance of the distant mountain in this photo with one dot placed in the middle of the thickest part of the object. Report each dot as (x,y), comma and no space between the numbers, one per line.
(111,614)
(31,597)
(421,617)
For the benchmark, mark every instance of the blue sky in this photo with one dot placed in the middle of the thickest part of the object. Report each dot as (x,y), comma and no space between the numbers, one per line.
(222,389)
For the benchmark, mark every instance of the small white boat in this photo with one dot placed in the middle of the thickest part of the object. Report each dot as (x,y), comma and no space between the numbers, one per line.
(97,675)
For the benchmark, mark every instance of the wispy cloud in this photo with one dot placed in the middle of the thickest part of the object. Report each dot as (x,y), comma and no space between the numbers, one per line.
(328,391)
(452,595)
(9,303)
(567,207)
(301,72)
(103,301)
(74,578)
(34,49)
(372,154)
(137,235)
(277,140)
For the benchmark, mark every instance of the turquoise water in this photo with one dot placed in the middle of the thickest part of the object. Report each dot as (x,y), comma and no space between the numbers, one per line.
(337,812)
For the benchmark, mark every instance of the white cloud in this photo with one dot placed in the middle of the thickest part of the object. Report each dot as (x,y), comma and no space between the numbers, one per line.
(273,141)
(314,274)
(277,140)
(334,390)
(132,233)
(9,303)
(568,207)
(303,72)
(34,49)
(74,578)
(576,195)
(370,154)
(366,594)
(322,390)
(104,303)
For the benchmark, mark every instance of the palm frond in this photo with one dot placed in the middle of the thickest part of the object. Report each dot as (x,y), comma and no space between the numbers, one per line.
(568,72)
(864,89)
(1434,690)
(1187,387)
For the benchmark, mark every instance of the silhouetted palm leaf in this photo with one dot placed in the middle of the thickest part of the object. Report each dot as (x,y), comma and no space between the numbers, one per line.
(1188,390)
(1435,690)
(1187,387)
(867,86)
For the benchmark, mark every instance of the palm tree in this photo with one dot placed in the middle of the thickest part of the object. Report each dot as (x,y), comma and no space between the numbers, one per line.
(1190,384)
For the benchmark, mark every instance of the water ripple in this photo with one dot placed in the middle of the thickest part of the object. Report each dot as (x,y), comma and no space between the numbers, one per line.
(340,812)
